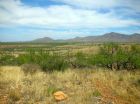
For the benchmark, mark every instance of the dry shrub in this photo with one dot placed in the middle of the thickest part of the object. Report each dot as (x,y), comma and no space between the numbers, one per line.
(14,95)
(30,68)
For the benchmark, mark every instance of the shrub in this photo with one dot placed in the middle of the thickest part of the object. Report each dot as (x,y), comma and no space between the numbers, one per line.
(47,61)
(114,56)
(14,95)
(29,57)
(80,60)
(135,56)
(30,68)
(6,59)
(54,62)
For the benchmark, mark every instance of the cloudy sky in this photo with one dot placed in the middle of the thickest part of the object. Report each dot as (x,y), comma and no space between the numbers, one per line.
(22,20)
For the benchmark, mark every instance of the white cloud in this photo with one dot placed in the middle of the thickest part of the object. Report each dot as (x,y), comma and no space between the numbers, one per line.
(89,3)
(92,4)
(15,13)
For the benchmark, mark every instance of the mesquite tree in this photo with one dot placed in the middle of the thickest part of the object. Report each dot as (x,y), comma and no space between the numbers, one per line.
(114,56)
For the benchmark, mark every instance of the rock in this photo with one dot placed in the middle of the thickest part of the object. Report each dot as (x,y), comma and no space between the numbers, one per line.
(59,96)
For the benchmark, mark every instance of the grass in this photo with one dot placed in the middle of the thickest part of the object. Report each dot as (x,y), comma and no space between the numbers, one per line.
(89,86)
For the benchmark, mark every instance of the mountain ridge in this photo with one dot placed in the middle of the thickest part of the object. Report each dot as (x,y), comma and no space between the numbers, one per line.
(108,37)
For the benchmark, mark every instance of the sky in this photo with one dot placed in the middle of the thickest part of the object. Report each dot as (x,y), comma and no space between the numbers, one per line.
(24,20)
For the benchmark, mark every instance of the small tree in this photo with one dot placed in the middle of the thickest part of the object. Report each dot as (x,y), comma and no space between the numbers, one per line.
(116,57)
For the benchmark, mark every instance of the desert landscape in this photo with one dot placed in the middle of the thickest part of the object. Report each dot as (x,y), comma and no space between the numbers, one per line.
(81,72)
(69,51)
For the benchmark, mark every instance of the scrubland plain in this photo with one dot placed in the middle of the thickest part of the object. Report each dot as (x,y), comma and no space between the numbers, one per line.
(27,83)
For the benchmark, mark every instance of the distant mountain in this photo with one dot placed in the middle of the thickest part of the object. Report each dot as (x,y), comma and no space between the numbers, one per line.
(108,37)
(43,40)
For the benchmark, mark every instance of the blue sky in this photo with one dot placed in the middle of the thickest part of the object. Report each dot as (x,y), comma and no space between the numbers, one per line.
(23,20)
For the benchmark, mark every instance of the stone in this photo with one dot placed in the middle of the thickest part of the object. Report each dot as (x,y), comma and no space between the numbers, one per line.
(59,96)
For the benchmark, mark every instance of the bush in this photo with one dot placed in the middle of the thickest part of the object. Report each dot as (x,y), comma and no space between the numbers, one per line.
(6,59)
(134,57)
(30,57)
(47,62)
(54,62)
(114,56)
(30,68)
(14,95)
(80,60)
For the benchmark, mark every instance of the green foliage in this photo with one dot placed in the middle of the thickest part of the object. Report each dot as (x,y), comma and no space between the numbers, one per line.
(134,57)
(47,61)
(54,62)
(111,55)
(80,60)
(114,56)
(6,59)
(51,90)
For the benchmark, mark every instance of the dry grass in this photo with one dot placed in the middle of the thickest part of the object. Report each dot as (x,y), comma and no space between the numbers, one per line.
(82,86)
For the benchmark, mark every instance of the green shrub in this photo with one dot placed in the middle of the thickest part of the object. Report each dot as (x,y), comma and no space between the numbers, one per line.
(54,62)
(29,57)
(80,60)
(47,61)
(114,56)
(6,59)
(134,60)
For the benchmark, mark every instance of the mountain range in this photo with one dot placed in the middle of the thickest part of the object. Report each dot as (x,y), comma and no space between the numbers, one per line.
(108,37)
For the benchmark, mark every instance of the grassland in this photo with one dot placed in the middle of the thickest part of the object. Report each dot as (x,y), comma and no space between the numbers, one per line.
(82,84)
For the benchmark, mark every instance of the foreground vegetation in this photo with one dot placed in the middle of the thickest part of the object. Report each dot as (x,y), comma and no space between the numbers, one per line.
(87,73)
(90,86)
